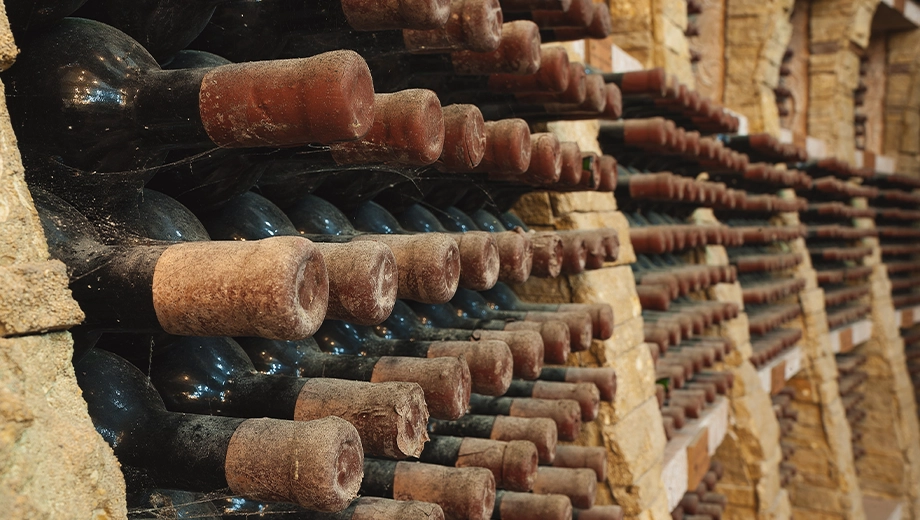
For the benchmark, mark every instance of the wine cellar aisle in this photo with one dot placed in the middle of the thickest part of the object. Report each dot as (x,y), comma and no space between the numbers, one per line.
(460,259)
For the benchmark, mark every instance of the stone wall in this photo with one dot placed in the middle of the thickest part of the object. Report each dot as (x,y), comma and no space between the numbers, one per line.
(53,464)
(757,33)
(902,101)
(652,31)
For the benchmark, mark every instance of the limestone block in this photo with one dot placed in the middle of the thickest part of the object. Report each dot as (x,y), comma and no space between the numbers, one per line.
(812,301)
(55,465)
(535,208)
(613,285)
(643,494)
(635,379)
(625,336)
(737,329)
(635,16)
(35,298)
(564,203)
(635,444)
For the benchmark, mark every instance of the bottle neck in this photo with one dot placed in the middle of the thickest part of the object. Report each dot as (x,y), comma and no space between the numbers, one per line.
(214,376)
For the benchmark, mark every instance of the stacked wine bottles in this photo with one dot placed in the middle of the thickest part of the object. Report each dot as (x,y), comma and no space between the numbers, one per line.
(287,224)
(703,502)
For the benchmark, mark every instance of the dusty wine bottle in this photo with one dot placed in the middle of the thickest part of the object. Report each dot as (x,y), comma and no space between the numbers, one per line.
(275,288)
(213,376)
(316,464)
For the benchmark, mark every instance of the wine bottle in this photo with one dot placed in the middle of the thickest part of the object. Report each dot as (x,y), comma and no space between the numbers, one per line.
(591,457)
(555,334)
(163,27)
(539,431)
(490,362)
(248,30)
(479,260)
(314,100)
(579,323)
(473,25)
(512,463)
(585,394)
(511,505)
(604,378)
(461,492)
(518,52)
(580,485)
(316,464)
(502,297)
(515,249)
(364,508)
(428,265)
(276,288)
(579,13)
(214,376)
(548,250)
(178,504)
(445,381)
(32,15)
(564,412)
(362,275)
(526,346)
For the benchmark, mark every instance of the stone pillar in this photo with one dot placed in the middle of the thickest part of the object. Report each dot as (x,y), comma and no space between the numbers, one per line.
(53,464)
(891,467)
(756,36)
(652,31)
(826,485)
(902,101)
(750,452)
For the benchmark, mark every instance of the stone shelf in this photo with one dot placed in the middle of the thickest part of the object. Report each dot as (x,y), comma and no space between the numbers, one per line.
(773,375)
(882,508)
(687,455)
(843,339)
(907,317)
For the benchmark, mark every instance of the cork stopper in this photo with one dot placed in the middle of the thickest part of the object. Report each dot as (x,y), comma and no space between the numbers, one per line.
(362,281)
(580,485)
(575,252)
(608,177)
(646,132)
(517,53)
(546,159)
(445,381)
(585,394)
(428,265)
(571,171)
(527,506)
(652,81)
(513,464)
(579,323)
(565,413)
(490,362)
(508,147)
(408,130)
(539,431)
(464,138)
(590,457)
(323,99)
(579,14)
(552,76)
(515,252)
(547,255)
(479,260)
(613,106)
(275,288)
(391,418)
(602,319)
(526,349)
(371,508)
(605,378)
(374,15)
(595,94)
(474,25)
(316,464)
(461,492)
